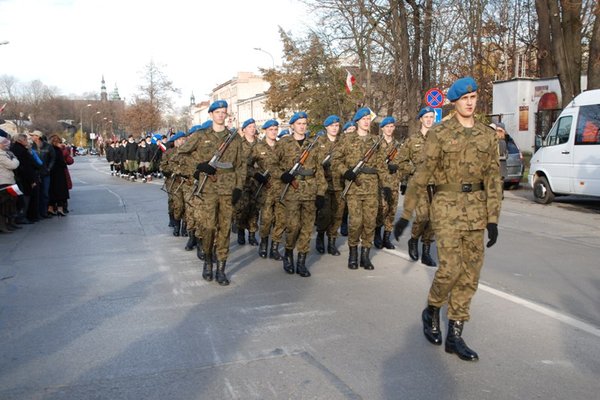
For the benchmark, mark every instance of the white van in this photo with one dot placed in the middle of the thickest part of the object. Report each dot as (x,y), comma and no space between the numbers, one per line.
(568,163)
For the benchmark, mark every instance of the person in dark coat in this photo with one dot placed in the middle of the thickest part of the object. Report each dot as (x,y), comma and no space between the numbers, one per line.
(143,158)
(131,165)
(26,175)
(59,190)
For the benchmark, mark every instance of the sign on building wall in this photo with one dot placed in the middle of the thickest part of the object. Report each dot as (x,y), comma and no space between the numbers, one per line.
(523,118)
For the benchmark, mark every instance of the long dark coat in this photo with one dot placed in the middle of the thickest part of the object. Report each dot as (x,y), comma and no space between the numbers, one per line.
(59,190)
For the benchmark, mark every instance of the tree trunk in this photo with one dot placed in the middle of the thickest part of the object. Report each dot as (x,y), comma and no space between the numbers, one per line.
(425,50)
(571,27)
(545,60)
(560,54)
(594,58)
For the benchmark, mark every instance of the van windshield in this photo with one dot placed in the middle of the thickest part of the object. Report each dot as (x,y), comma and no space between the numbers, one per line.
(588,125)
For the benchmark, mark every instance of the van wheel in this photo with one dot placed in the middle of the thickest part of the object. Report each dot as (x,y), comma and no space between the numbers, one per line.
(542,192)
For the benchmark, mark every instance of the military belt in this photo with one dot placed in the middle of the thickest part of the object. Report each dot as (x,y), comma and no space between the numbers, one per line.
(459,187)
(303,177)
(368,170)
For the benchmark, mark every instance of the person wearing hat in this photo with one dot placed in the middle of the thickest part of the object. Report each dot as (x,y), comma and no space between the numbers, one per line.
(131,163)
(461,157)
(221,192)
(411,156)
(46,153)
(388,201)
(329,218)
(110,156)
(176,200)
(305,195)
(264,157)
(246,210)
(363,196)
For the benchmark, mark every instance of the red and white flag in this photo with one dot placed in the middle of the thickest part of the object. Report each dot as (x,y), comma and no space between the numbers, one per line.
(13,190)
(162,146)
(3,107)
(350,81)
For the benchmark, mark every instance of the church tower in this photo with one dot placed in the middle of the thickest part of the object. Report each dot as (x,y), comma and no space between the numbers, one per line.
(103,94)
(115,94)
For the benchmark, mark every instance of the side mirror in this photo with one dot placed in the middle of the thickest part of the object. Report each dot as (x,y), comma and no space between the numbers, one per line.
(539,142)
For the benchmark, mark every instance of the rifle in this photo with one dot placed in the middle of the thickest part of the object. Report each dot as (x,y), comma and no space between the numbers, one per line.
(360,164)
(214,162)
(296,168)
(266,175)
(391,155)
(328,156)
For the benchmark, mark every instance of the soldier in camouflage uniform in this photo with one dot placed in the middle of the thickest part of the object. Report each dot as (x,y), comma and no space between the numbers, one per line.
(265,159)
(246,210)
(363,195)
(329,218)
(387,211)
(222,190)
(410,157)
(461,156)
(176,203)
(305,195)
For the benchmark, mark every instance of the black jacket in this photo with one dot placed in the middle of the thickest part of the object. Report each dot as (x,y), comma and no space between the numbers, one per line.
(26,174)
(144,153)
(131,151)
(47,155)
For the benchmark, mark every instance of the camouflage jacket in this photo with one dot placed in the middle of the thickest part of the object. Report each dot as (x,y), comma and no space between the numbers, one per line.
(335,181)
(266,158)
(349,152)
(250,169)
(411,155)
(391,180)
(289,151)
(167,166)
(457,155)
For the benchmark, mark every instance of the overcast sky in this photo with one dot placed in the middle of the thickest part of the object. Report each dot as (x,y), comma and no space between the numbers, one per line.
(70,44)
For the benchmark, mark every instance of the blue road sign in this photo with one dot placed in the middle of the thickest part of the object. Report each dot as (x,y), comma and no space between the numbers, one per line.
(438,115)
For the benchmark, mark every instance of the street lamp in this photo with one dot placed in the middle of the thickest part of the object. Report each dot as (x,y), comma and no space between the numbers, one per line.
(92,133)
(270,55)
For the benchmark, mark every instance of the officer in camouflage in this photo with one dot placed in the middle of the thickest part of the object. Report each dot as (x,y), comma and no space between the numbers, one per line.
(223,188)
(461,156)
(246,210)
(305,195)
(410,157)
(265,159)
(176,203)
(329,218)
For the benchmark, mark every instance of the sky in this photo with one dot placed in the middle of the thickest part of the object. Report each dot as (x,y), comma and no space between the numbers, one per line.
(199,44)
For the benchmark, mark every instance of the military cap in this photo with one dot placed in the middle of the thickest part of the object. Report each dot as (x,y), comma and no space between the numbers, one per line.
(206,124)
(176,136)
(217,104)
(387,121)
(461,87)
(270,123)
(297,116)
(194,129)
(248,122)
(283,133)
(348,125)
(424,111)
(332,119)
(360,113)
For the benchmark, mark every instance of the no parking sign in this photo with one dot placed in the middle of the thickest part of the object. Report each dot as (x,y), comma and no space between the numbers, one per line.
(434,98)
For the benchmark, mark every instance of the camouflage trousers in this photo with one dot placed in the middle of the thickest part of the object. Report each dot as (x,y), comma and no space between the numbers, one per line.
(177,204)
(329,218)
(213,217)
(300,219)
(460,255)
(421,227)
(362,216)
(190,204)
(387,212)
(246,211)
(272,216)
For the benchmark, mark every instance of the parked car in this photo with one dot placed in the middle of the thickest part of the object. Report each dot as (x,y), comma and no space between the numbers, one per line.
(80,151)
(93,152)
(514,164)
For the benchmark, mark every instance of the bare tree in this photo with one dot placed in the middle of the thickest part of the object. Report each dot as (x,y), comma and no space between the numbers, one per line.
(157,89)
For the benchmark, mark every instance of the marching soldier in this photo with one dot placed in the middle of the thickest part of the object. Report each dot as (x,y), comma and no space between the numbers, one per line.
(387,211)
(176,202)
(246,210)
(329,218)
(411,156)
(306,194)
(349,126)
(358,148)
(223,177)
(265,157)
(461,156)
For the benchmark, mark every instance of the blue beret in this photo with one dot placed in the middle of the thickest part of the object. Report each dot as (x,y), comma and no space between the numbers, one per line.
(206,124)
(387,121)
(424,111)
(270,123)
(360,113)
(348,125)
(461,87)
(176,136)
(332,119)
(297,116)
(283,133)
(194,129)
(217,104)
(248,122)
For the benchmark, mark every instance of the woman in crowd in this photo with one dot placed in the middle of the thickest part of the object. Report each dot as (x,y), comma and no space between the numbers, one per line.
(59,191)
(8,163)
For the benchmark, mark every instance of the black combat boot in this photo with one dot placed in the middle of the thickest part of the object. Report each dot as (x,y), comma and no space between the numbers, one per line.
(431,325)
(176,227)
(200,250)
(220,275)
(183,231)
(301,266)
(353,258)
(386,240)
(426,257)
(192,242)
(262,248)
(331,248)
(274,252)
(320,242)
(207,271)
(365,262)
(377,242)
(344,226)
(241,236)
(171,220)
(252,239)
(413,249)
(288,261)
(455,343)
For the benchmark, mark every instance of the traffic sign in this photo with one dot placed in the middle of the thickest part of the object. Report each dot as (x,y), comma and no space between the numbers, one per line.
(438,115)
(434,98)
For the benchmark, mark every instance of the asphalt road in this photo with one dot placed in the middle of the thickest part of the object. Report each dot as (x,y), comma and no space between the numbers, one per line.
(106,304)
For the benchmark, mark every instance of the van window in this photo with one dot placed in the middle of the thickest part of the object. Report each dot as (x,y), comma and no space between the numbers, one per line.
(560,132)
(588,125)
